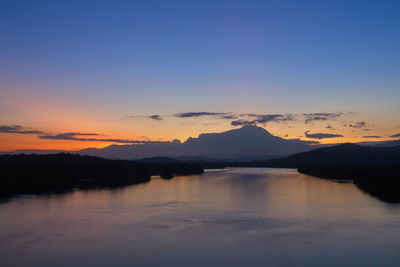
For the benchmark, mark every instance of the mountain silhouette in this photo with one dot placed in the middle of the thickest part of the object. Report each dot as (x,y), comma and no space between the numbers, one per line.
(246,143)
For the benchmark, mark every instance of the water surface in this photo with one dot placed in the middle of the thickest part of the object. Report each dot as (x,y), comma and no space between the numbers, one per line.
(232,217)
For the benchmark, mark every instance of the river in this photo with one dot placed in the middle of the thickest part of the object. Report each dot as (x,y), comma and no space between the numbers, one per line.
(231,217)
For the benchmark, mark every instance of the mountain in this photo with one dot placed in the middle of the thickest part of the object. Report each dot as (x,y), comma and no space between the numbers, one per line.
(339,155)
(246,143)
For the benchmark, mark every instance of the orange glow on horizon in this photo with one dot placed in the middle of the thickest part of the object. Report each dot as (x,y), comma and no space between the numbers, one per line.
(11,141)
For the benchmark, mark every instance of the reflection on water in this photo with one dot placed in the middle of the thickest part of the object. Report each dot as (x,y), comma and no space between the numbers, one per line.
(233,217)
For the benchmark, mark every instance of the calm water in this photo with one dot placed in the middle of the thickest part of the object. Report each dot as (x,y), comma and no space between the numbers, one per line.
(233,217)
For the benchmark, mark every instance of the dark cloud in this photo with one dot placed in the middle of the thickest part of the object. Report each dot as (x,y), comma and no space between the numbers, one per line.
(156,117)
(359,124)
(273,117)
(72,136)
(229,117)
(221,115)
(18,129)
(249,115)
(243,123)
(254,119)
(269,117)
(372,136)
(198,114)
(75,136)
(309,117)
(395,135)
(259,118)
(67,136)
(321,135)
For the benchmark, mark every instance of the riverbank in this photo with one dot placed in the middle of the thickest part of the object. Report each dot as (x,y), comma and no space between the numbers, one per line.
(382,182)
(36,174)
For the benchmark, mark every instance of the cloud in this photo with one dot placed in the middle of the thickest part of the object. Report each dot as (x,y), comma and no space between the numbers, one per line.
(321,135)
(359,124)
(309,117)
(372,136)
(243,119)
(156,117)
(273,117)
(75,136)
(260,118)
(395,135)
(72,136)
(198,114)
(67,136)
(231,116)
(243,123)
(18,129)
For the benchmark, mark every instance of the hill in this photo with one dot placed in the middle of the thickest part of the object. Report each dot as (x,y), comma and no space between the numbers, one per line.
(339,155)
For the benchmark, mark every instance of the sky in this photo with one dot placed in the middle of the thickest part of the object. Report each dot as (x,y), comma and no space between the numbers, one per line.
(77,74)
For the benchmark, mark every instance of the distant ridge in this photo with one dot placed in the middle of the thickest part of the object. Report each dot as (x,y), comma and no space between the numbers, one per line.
(340,155)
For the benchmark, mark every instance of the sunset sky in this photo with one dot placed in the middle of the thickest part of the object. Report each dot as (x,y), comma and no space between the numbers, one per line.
(77,74)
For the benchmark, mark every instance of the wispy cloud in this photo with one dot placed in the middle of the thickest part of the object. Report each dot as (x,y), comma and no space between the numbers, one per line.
(371,136)
(67,136)
(76,136)
(359,124)
(199,114)
(262,119)
(245,119)
(243,123)
(321,135)
(395,135)
(229,116)
(156,117)
(309,117)
(71,136)
(18,129)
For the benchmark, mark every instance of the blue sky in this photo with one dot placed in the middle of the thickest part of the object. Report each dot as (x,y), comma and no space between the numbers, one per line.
(118,58)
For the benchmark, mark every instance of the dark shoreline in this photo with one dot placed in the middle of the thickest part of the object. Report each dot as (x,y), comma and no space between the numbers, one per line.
(381,182)
(60,173)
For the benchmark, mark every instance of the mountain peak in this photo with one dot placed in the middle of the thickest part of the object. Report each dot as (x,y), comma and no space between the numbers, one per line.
(253,128)
(247,133)
(250,130)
